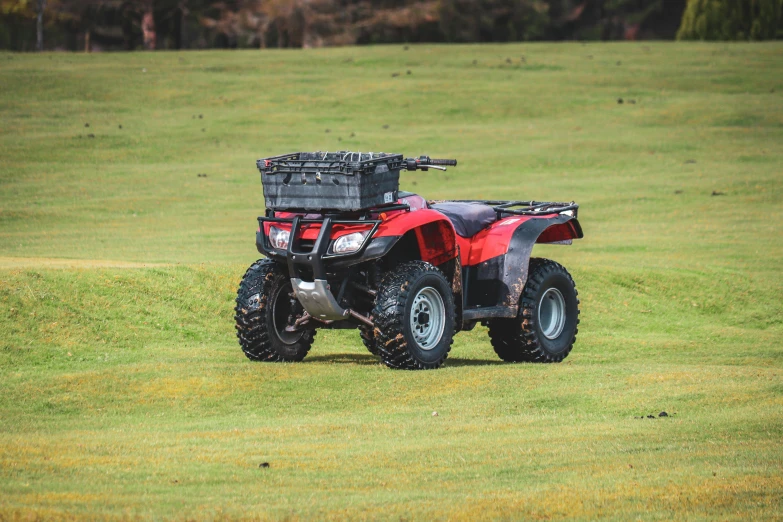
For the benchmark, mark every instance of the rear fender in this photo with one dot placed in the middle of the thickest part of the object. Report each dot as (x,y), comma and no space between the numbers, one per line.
(561,233)
(499,266)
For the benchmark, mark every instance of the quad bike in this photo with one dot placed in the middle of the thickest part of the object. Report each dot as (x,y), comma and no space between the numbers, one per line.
(345,249)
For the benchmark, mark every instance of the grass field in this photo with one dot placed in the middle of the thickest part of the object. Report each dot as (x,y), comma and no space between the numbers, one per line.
(123,393)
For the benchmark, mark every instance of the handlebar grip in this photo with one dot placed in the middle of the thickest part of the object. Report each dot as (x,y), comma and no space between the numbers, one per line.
(444,162)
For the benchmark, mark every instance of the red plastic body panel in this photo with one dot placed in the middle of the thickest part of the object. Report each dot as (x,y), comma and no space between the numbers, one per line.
(434,233)
(310,231)
(436,237)
(493,241)
(561,232)
(399,222)
(436,243)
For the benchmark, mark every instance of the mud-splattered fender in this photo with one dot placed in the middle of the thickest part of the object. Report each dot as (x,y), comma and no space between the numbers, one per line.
(523,240)
(498,267)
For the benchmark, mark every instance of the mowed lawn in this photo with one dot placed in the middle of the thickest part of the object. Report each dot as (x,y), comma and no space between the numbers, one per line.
(123,392)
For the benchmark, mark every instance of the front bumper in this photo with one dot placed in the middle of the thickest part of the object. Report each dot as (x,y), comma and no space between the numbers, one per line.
(316,296)
(318,260)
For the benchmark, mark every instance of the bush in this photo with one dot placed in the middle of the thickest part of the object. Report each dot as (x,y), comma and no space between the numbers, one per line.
(730,20)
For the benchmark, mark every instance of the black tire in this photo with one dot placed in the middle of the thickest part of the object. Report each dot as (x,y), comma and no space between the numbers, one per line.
(524,339)
(368,339)
(367,334)
(397,344)
(263,305)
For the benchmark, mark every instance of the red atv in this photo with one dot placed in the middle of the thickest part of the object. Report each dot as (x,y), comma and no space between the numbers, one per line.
(346,249)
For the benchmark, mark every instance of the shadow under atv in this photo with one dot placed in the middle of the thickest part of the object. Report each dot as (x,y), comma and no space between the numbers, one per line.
(369,360)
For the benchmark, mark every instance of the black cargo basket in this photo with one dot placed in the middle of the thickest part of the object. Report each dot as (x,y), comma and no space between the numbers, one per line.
(340,181)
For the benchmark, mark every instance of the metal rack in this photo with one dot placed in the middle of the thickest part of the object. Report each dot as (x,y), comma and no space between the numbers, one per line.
(526,208)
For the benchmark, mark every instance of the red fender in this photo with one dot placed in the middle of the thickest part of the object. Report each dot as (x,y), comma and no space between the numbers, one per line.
(495,240)
(435,234)
(498,262)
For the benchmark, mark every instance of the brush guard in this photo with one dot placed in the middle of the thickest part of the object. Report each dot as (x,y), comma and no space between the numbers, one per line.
(316,296)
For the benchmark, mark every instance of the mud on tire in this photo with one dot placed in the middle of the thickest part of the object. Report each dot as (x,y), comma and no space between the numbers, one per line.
(546,326)
(414,317)
(368,339)
(263,305)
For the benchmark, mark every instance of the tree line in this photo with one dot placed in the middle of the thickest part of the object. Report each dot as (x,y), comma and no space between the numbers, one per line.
(197,24)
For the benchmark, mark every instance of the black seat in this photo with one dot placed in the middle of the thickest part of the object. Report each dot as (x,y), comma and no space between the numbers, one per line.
(468,218)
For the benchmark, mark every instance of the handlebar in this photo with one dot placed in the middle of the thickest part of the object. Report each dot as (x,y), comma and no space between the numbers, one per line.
(444,162)
(425,162)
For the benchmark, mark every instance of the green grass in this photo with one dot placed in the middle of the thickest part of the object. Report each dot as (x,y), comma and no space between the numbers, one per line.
(123,393)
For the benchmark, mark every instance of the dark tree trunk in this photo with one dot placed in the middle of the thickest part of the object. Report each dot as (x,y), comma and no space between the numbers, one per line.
(40,6)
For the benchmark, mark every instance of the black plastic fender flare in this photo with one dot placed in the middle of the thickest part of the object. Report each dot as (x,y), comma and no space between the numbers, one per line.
(517,262)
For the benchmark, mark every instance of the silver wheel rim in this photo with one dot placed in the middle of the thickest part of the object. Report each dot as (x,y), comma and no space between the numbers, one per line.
(552,313)
(427,318)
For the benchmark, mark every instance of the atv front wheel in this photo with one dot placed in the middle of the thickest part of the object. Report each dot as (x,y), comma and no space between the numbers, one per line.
(264,307)
(546,326)
(414,317)
(368,339)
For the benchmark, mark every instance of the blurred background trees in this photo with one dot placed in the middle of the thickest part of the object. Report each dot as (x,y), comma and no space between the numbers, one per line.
(731,20)
(185,24)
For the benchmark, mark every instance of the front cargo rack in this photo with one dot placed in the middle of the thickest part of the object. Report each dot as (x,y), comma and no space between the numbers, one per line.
(340,181)
(343,162)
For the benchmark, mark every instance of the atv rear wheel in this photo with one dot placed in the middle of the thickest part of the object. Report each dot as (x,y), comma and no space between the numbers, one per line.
(265,306)
(414,317)
(546,326)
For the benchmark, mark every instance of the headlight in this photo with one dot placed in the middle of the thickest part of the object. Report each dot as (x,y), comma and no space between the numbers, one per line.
(349,243)
(279,237)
